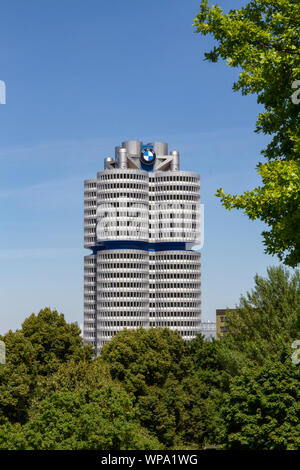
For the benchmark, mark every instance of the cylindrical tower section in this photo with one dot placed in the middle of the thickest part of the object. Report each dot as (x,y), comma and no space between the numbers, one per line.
(122,292)
(90,209)
(175,207)
(122,205)
(160,148)
(122,159)
(90,301)
(175,160)
(177,292)
(133,147)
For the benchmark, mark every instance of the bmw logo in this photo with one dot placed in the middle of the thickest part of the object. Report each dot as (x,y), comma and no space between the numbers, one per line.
(148,156)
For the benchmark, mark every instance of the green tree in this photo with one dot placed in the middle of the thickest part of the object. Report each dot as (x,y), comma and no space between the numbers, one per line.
(72,376)
(205,386)
(142,358)
(263,327)
(44,343)
(205,357)
(103,419)
(262,409)
(161,410)
(151,364)
(77,375)
(199,422)
(18,378)
(262,40)
(54,340)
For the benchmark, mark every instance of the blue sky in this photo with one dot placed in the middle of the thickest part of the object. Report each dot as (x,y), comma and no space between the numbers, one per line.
(83,76)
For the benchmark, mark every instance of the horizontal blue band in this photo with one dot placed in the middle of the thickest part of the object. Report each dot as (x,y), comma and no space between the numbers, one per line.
(136,245)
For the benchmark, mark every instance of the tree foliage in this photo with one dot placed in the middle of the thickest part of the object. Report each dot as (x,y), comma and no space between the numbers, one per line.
(263,327)
(18,378)
(262,409)
(151,364)
(54,340)
(176,384)
(149,389)
(76,420)
(44,342)
(142,358)
(262,40)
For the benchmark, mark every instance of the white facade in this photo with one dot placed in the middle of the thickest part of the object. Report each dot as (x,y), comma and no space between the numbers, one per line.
(141,221)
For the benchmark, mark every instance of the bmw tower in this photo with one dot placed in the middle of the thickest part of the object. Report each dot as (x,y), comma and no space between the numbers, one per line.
(142,224)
